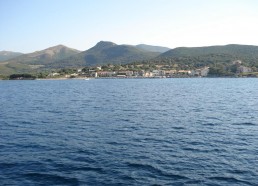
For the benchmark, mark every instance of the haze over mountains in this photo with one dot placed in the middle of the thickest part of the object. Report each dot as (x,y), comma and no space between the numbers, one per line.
(6,55)
(105,52)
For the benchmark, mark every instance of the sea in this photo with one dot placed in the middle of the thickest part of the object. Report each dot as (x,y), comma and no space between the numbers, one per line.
(192,131)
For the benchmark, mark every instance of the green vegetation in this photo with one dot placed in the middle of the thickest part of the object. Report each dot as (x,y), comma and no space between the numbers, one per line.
(5,71)
(42,75)
(232,50)
(44,57)
(12,68)
(219,58)
(2,77)
(22,77)
(66,71)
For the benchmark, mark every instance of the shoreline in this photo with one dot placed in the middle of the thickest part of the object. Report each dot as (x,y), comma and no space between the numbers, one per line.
(91,78)
(146,78)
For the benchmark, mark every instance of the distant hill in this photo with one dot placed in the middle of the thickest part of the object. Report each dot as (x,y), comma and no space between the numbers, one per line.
(6,55)
(110,53)
(105,52)
(210,56)
(233,50)
(32,62)
(45,56)
(151,48)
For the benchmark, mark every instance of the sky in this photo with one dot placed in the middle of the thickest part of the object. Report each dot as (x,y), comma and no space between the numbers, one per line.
(30,25)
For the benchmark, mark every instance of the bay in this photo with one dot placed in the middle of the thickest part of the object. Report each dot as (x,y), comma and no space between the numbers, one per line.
(197,131)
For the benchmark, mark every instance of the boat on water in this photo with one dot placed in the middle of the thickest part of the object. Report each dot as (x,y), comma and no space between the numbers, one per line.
(87,79)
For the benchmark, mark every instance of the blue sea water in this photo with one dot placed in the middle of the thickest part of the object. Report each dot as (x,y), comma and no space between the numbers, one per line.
(129,132)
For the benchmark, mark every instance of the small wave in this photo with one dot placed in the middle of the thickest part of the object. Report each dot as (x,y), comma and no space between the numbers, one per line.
(83,159)
(27,122)
(201,150)
(51,178)
(115,143)
(213,118)
(55,111)
(196,143)
(156,140)
(156,171)
(85,151)
(198,182)
(245,124)
(239,171)
(126,177)
(127,120)
(191,149)
(77,167)
(87,168)
(7,165)
(34,146)
(229,180)
(210,124)
(178,128)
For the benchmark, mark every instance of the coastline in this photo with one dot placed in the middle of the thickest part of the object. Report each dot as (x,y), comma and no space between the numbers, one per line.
(91,78)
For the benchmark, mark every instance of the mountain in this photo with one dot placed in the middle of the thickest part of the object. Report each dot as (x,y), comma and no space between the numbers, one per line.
(6,55)
(151,48)
(105,52)
(46,56)
(32,62)
(110,53)
(212,56)
(232,49)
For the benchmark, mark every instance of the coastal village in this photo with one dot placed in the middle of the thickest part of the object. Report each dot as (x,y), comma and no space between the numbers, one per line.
(99,72)
(236,69)
(141,71)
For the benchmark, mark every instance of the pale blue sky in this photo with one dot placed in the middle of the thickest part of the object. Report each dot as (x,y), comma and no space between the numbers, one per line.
(30,25)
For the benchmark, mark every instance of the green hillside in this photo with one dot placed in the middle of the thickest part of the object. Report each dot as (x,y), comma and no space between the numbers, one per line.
(32,62)
(11,68)
(105,53)
(200,56)
(234,50)
(43,57)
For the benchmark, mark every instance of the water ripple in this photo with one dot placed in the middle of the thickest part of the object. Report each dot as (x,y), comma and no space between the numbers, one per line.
(156,171)
(229,180)
(52,179)
(196,131)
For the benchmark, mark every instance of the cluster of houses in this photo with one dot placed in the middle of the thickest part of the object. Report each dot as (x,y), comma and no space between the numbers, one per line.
(159,72)
(99,73)
(241,68)
(154,73)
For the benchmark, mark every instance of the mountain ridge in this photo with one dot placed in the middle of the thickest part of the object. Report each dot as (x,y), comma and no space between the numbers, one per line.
(232,49)
(45,56)
(105,52)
